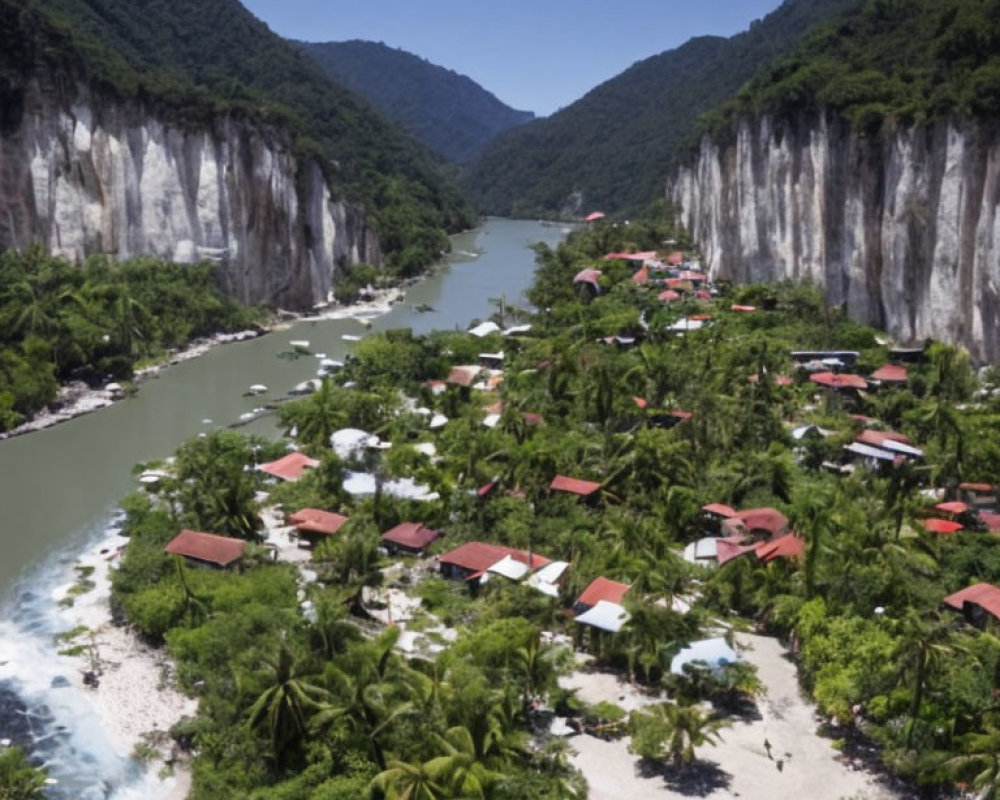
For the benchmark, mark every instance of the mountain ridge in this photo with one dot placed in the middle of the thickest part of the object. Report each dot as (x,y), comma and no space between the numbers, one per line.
(613,148)
(446,110)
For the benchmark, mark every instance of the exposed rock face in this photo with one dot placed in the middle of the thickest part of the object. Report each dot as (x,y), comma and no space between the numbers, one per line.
(84,175)
(903,229)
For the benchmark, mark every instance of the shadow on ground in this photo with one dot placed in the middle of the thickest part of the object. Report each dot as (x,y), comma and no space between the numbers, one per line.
(698,779)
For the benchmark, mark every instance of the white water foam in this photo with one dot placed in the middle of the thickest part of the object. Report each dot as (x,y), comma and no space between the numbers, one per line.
(60,725)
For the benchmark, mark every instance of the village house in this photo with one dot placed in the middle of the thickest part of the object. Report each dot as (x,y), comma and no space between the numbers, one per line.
(207,549)
(290,467)
(411,538)
(977,603)
(314,525)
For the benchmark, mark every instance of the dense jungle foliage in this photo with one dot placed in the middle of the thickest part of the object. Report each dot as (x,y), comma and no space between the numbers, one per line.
(612,148)
(901,62)
(450,113)
(194,61)
(60,322)
(315,701)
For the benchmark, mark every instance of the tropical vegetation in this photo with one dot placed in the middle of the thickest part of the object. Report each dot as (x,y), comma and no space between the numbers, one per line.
(303,694)
(60,322)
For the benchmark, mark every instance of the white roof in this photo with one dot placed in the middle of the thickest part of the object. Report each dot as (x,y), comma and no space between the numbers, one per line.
(492,356)
(606,616)
(361,484)
(703,550)
(802,430)
(439,421)
(509,568)
(871,452)
(550,573)
(485,329)
(348,441)
(492,420)
(686,325)
(517,329)
(427,448)
(899,447)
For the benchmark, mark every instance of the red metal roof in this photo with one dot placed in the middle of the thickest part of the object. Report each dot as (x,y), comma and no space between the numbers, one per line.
(730,547)
(788,546)
(603,589)
(314,520)
(669,294)
(532,418)
(588,276)
(991,521)
(984,488)
(779,380)
(746,309)
(290,467)
(879,438)
(480,556)
(984,595)
(641,275)
(643,256)
(935,525)
(640,402)
(763,519)
(678,283)
(690,275)
(593,216)
(953,507)
(890,373)
(720,509)
(561,483)
(207,547)
(465,375)
(681,414)
(676,258)
(486,488)
(411,534)
(839,380)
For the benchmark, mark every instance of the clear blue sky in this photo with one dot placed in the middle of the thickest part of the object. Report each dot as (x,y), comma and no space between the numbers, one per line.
(538,55)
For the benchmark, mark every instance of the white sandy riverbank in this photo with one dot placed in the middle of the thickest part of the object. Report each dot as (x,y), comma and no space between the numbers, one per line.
(802,763)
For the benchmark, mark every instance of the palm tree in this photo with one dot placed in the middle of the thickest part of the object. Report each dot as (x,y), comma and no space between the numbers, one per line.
(922,649)
(282,709)
(982,760)
(671,731)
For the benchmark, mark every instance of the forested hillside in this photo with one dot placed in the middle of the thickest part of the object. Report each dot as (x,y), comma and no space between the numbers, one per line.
(448,112)
(911,61)
(195,60)
(612,148)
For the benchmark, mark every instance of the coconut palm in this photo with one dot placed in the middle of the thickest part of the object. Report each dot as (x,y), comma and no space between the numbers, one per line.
(282,710)
(923,647)
(668,731)
(980,762)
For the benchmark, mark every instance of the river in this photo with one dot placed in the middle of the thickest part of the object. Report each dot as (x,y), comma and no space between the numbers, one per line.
(60,486)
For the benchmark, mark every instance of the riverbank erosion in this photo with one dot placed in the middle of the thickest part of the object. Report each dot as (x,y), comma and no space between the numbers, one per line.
(82,172)
(901,227)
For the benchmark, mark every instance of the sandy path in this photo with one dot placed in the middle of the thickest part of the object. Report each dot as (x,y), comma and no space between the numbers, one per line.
(809,765)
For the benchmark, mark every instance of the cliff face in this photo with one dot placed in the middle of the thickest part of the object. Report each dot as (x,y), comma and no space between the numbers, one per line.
(902,229)
(83,175)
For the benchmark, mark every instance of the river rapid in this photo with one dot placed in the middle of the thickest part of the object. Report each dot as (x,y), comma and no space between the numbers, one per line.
(59,488)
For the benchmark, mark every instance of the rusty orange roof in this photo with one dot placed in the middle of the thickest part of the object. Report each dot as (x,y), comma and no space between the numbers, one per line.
(676,258)
(561,483)
(480,556)
(879,438)
(890,373)
(290,467)
(207,547)
(313,520)
(464,376)
(411,534)
(984,595)
(720,509)
(763,519)
(839,380)
(788,546)
(603,589)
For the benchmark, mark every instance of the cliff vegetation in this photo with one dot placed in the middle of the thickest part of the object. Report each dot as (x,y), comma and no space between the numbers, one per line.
(194,61)
(902,62)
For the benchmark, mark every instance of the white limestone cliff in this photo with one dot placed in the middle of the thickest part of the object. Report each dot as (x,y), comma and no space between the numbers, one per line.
(88,175)
(902,228)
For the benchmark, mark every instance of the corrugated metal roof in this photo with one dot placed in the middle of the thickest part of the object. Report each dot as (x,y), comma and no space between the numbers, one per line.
(984,595)
(603,589)
(480,556)
(208,547)
(290,467)
(411,534)
(315,520)
(560,483)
